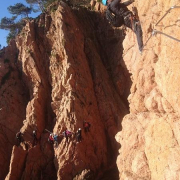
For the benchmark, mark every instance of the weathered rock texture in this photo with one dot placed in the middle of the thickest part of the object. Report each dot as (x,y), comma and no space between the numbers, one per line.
(150,133)
(59,72)
(70,65)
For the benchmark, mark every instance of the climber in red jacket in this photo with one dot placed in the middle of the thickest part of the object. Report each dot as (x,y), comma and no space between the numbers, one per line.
(86,126)
(35,140)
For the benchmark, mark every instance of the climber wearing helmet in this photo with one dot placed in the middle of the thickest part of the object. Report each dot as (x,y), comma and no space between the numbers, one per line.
(118,14)
(78,135)
(55,137)
(86,126)
(51,139)
(19,137)
(35,140)
(104,2)
(67,134)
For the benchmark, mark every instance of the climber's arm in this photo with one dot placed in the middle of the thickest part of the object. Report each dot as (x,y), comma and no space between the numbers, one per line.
(127,3)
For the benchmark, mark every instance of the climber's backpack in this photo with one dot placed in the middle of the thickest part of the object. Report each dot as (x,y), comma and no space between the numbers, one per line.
(116,21)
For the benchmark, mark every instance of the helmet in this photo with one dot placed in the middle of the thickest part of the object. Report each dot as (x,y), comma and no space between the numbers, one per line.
(104,2)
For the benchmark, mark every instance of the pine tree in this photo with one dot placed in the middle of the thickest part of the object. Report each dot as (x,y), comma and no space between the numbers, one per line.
(40,3)
(19,9)
(15,24)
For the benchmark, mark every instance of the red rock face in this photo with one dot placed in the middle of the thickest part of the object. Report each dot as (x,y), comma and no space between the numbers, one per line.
(68,74)
(13,100)
(149,137)
(69,66)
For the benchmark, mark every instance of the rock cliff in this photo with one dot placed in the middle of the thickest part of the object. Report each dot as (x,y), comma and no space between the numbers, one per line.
(150,133)
(70,65)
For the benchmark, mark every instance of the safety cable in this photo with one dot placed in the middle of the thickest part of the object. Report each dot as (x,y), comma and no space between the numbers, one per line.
(155,32)
(159,32)
(173,7)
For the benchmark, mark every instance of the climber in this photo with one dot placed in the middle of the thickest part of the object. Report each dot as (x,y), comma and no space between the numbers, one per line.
(118,14)
(35,140)
(67,134)
(55,137)
(19,137)
(51,139)
(86,126)
(78,135)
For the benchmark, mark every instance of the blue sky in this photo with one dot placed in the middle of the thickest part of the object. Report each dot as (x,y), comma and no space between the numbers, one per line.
(4,12)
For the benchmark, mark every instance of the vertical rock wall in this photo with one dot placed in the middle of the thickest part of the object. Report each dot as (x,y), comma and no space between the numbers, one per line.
(67,75)
(13,100)
(150,133)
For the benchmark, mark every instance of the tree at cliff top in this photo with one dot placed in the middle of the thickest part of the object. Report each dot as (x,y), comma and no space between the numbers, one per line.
(41,3)
(19,9)
(15,24)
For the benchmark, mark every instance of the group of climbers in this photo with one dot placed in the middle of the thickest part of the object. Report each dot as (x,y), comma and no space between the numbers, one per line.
(118,14)
(67,134)
(19,137)
(53,138)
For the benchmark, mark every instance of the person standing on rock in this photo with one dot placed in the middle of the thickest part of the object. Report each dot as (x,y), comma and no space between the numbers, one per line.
(86,126)
(55,137)
(19,137)
(51,139)
(78,135)
(67,134)
(35,140)
(118,14)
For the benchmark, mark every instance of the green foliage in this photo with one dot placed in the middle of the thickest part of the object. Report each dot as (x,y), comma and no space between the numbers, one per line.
(6,23)
(42,4)
(35,3)
(12,24)
(15,23)
(48,2)
(12,34)
(19,9)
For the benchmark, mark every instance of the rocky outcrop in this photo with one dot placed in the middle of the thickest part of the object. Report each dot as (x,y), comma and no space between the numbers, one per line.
(150,135)
(70,65)
(63,64)
(14,96)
